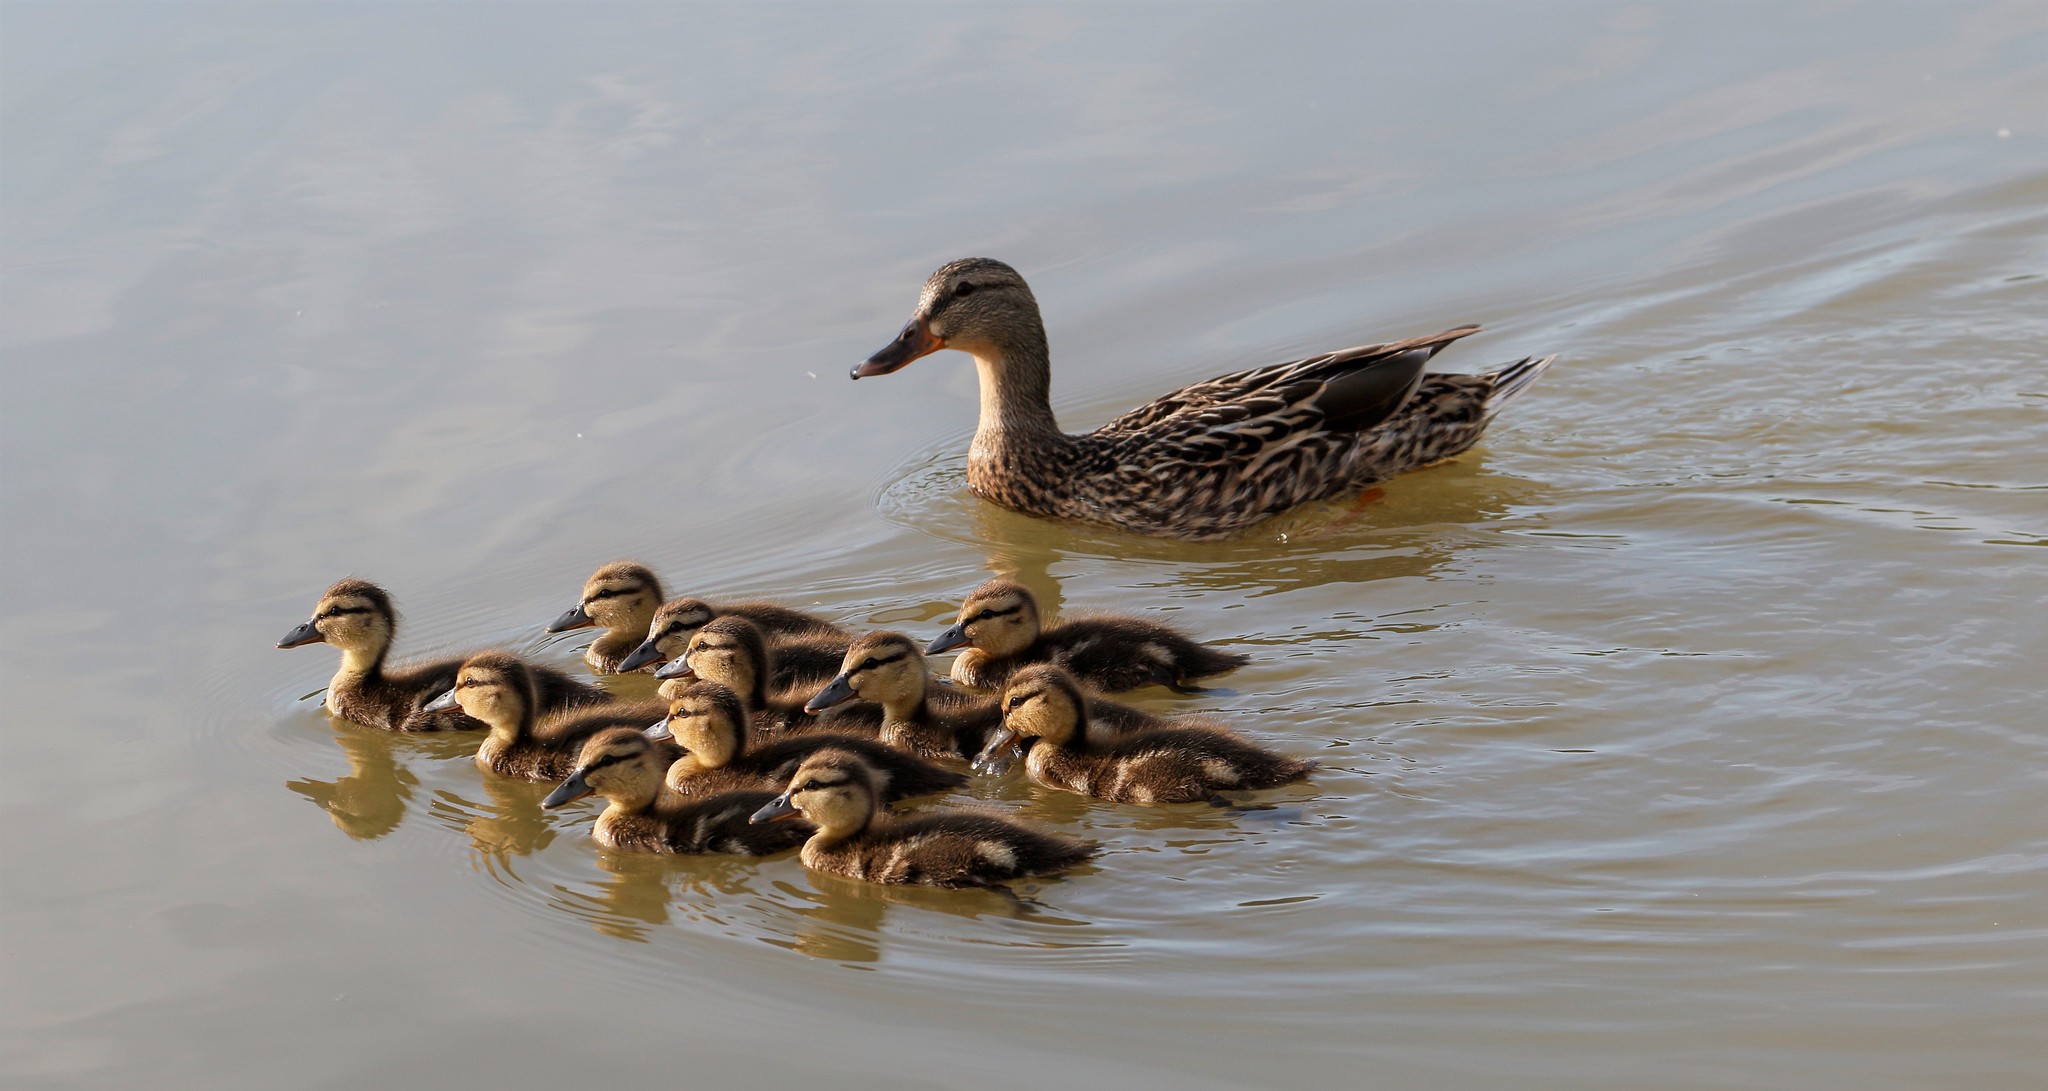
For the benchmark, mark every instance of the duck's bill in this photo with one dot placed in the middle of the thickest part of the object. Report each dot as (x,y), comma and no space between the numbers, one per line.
(916,340)
(442,703)
(573,619)
(659,731)
(676,668)
(780,807)
(302,636)
(838,691)
(995,757)
(955,637)
(569,791)
(641,656)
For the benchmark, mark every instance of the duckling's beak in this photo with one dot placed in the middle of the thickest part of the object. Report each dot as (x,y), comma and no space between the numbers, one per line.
(838,690)
(679,667)
(916,340)
(955,637)
(440,704)
(569,791)
(995,757)
(302,636)
(659,731)
(780,808)
(574,619)
(641,656)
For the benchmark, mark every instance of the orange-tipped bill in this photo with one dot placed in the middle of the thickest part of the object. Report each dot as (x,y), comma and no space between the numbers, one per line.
(916,340)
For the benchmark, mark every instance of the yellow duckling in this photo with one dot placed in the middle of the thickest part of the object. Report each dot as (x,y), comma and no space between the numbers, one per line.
(642,815)
(497,689)
(622,597)
(999,625)
(856,838)
(805,647)
(1187,763)
(709,723)
(357,617)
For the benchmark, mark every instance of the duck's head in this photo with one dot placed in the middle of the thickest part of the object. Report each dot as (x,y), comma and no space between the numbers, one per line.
(354,615)
(977,305)
(707,721)
(729,651)
(883,667)
(834,789)
(621,597)
(999,618)
(618,763)
(1041,701)
(495,688)
(669,633)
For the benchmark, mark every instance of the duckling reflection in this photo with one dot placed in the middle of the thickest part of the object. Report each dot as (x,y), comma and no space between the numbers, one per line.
(633,896)
(371,800)
(509,825)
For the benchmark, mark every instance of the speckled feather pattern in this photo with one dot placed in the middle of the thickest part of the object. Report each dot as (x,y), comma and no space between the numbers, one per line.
(947,849)
(1187,764)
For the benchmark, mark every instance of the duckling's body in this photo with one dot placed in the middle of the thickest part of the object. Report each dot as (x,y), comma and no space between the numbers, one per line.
(642,815)
(497,689)
(731,651)
(1187,763)
(1206,460)
(358,618)
(805,648)
(1000,628)
(710,724)
(855,838)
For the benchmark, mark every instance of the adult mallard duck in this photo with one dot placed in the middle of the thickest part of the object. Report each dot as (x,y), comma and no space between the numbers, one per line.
(1207,459)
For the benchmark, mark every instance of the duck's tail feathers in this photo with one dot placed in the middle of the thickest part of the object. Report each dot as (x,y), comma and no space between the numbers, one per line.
(1512,380)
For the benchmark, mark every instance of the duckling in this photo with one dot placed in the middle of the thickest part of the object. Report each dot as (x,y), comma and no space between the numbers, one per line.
(1187,763)
(806,648)
(357,617)
(1206,460)
(855,838)
(887,669)
(710,724)
(731,652)
(1000,627)
(622,597)
(497,689)
(625,767)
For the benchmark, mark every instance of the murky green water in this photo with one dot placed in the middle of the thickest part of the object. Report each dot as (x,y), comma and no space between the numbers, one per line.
(1688,733)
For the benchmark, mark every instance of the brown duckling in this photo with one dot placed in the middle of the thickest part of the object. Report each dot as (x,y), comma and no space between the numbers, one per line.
(999,626)
(710,724)
(1186,763)
(625,767)
(622,597)
(887,669)
(357,617)
(497,689)
(731,652)
(807,648)
(856,838)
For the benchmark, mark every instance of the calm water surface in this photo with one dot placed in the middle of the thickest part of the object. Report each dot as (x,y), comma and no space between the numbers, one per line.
(1687,733)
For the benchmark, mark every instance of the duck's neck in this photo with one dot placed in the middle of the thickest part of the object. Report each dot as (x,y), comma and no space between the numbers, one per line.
(633,798)
(1016,393)
(362,662)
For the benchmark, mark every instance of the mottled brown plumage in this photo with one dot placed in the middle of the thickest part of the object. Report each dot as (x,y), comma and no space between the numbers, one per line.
(855,838)
(1000,627)
(710,724)
(1185,763)
(642,815)
(498,690)
(358,618)
(621,597)
(806,648)
(1209,459)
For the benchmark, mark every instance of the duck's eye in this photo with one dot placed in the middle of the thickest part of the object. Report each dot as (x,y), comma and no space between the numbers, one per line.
(1018,701)
(963,289)
(869,665)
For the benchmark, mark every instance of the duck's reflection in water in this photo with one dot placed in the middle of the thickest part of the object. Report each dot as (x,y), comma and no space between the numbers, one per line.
(371,800)
(509,824)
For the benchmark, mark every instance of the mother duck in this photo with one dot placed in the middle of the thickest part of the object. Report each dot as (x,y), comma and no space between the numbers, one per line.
(1205,460)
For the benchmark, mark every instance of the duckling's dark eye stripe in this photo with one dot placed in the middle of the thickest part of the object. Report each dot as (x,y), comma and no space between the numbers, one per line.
(872,663)
(337,611)
(608,759)
(987,614)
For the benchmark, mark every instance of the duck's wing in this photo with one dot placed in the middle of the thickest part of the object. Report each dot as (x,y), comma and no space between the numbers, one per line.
(1349,390)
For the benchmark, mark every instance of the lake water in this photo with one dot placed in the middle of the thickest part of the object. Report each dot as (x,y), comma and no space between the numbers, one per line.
(1686,733)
